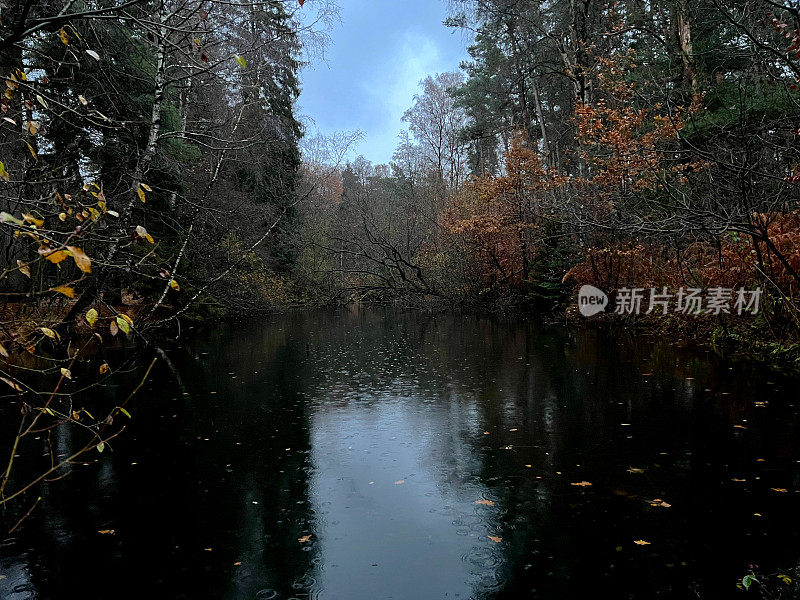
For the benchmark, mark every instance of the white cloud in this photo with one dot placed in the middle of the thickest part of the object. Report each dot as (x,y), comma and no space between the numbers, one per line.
(393,86)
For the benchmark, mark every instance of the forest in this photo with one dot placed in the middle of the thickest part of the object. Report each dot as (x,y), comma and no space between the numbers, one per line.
(153,163)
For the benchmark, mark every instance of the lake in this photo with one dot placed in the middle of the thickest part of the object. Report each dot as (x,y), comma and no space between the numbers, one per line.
(369,454)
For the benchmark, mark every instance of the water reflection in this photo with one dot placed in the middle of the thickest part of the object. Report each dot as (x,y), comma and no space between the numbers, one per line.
(343,455)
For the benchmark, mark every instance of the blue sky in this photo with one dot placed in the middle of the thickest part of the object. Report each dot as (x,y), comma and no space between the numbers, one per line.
(376,58)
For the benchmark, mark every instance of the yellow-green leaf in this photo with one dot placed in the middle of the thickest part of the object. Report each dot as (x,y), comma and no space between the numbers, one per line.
(49,333)
(91,316)
(123,325)
(66,373)
(174,285)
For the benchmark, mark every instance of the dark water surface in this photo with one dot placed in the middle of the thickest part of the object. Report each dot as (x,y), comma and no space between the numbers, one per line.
(376,434)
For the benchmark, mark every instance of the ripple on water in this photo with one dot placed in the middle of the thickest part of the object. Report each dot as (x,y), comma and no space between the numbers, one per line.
(266,594)
(485,559)
(303,583)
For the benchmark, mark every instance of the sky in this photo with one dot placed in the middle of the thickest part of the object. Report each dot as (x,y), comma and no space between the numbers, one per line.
(376,57)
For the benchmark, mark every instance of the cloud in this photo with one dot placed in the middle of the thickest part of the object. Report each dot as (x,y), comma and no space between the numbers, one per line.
(393,86)
(379,54)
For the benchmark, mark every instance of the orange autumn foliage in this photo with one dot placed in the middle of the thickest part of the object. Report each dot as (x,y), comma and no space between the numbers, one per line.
(733,262)
(498,216)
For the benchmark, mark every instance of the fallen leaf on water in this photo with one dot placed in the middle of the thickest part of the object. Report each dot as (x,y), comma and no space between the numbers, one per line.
(515,429)
(485,502)
(485,433)
(738,480)
(739,427)
(661,503)
(781,490)
(106,532)
(236,564)
(304,539)
(495,539)
(208,549)
(635,471)
(582,483)
(641,543)
(400,482)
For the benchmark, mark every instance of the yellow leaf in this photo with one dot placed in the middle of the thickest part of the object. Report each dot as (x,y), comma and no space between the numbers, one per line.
(104,368)
(149,238)
(62,217)
(11,383)
(66,373)
(64,37)
(582,484)
(91,316)
(64,289)
(29,218)
(641,543)
(304,539)
(174,285)
(140,192)
(3,351)
(33,152)
(33,127)
(495,539)
(82,261)
(146,187)
(127,318)
(123,325)
(49,333)
(485,502)
(57,256)
(24,269)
